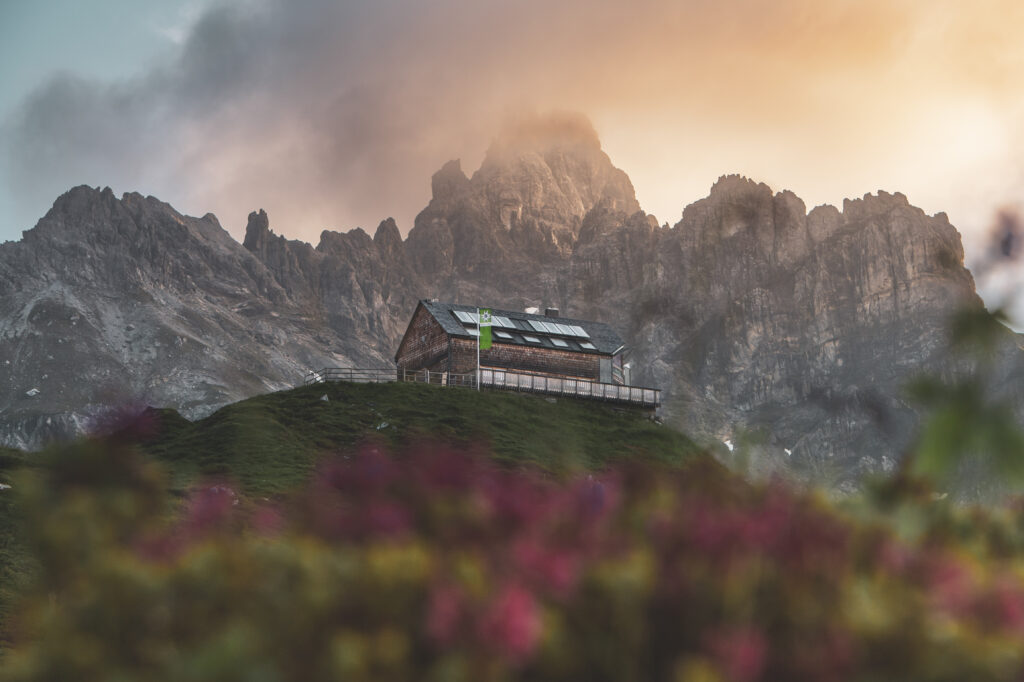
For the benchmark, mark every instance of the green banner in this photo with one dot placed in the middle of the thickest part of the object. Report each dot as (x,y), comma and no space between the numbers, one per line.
(485,328)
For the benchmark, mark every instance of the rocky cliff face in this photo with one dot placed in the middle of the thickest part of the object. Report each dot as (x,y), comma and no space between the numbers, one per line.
(110,301)
(808,326)
(751,313)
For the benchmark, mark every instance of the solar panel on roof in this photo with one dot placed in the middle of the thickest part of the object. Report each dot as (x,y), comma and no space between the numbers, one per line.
(565,329)
(500,321)
(538,325)
(580,331)
(468,318)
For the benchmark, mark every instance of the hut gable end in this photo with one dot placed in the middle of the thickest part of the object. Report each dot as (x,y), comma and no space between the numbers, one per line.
(425,342)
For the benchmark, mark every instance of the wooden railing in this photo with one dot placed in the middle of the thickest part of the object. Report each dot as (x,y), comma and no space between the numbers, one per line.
(497,379)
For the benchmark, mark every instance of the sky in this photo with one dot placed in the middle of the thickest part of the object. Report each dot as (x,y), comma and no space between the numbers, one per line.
(332,114)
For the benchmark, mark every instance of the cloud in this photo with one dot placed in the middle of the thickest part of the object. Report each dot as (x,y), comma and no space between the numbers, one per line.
(335,114)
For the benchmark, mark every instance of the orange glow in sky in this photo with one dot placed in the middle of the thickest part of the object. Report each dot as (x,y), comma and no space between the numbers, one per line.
(334,115)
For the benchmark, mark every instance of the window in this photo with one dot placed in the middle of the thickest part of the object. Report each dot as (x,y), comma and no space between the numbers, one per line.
(560,343)
(587,345)
(531,339)
(473,332)
(502,335)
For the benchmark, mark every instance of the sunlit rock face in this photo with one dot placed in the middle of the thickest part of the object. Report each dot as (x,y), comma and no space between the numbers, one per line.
(807,327)
(523,208)
(753,314)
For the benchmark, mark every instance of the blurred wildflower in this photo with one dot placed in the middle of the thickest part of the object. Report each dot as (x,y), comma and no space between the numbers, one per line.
(740,652)
(444,613)
(436,564)
(512,623)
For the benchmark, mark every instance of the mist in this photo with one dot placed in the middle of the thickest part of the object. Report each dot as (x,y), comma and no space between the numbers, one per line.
(334,115)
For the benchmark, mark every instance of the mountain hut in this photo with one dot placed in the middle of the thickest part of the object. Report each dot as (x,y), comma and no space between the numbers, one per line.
(533,352)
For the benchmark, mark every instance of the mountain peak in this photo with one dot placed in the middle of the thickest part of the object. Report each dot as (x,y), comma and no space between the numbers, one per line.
(78,199)
(555,166)
(449,181)
(735,185)
(257,231)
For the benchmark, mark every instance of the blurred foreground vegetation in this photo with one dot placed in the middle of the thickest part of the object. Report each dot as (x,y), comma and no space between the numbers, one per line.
(430,562)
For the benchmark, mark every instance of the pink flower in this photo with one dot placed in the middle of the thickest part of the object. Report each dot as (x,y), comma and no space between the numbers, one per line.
(1003,606)
(133,422)
(367,472)
(596,497)
(512,623)
(444,613)
(1011,603)
(443,469)
(740,652)
(950,586)
(553,570)
(267,521)
(210,508)
(388,519)
(894,557)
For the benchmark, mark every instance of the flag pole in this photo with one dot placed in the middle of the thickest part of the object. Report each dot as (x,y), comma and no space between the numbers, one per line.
(478,332)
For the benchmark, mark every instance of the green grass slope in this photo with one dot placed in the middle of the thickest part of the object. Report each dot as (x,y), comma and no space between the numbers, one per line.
(269,443)
(15,565)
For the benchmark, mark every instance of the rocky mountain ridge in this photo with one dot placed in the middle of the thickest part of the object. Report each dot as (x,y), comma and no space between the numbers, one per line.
(751,312)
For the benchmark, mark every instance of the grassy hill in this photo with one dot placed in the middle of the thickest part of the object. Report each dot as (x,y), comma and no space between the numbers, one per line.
(14,562)
(268,444)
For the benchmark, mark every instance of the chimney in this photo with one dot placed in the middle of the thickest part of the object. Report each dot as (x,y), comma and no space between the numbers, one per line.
(551,312)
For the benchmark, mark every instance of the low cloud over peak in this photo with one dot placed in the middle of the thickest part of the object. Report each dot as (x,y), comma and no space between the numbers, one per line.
(335,114)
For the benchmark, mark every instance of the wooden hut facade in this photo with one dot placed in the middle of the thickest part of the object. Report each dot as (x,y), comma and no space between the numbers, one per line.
(559,354)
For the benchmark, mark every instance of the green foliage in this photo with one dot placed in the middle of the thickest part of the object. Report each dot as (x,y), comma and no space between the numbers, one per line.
(969,435)
(965,426)
(977,330)
(270,444)
(16,564)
